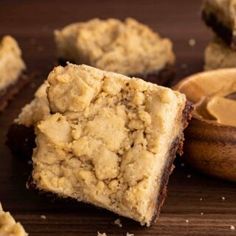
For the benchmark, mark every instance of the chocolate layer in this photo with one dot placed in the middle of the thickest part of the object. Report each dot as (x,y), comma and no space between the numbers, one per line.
(224,32)
(160,77)
(8,94)
(176,147)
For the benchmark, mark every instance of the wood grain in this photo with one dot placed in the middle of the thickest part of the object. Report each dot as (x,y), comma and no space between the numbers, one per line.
(190,193)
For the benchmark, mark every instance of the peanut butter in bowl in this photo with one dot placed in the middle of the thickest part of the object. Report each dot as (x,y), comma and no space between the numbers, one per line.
(210,144)
(223,110)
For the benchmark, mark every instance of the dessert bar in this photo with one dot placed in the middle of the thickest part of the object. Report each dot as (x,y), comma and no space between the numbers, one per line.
(8,225)
(127,47)
(219,55)
(106,139)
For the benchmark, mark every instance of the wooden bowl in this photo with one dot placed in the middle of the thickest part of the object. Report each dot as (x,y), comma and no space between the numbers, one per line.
(210,146)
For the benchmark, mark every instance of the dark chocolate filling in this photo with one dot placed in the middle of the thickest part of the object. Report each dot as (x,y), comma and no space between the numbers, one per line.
(161,77)
(223,31)
(8,94)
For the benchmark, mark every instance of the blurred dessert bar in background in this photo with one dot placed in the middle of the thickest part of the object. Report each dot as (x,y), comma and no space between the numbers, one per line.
(220,16)
(11,69)
(8,225)
(127,47)
(219,55)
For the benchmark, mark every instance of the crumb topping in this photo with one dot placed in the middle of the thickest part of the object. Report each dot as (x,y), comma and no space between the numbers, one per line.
(127,47)
(8,225)
(37,110)
(224,10)
(11,63)
(219,55)
(105,141)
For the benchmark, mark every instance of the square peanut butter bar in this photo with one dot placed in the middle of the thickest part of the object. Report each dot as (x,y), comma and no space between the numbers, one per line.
(127,47)
(105,139)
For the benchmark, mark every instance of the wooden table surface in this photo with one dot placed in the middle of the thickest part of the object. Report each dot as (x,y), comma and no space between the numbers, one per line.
(196,204)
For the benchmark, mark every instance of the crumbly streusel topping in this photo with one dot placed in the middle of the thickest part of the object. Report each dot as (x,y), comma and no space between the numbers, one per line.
(104,138)
(127,47)
(11,63)
(219,55)
(8,225)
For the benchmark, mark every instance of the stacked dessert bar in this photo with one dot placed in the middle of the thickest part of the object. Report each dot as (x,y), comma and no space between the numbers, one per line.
(220,16)
(105,139)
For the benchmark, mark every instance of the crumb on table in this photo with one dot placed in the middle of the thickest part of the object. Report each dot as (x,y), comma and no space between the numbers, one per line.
(192,42)
(101,234)
(118,222)
(128,234)
(43,217)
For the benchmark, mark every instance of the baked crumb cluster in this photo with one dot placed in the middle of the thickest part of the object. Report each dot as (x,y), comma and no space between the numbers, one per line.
(8,226)
(127,47)
(103,138)
(11,63)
